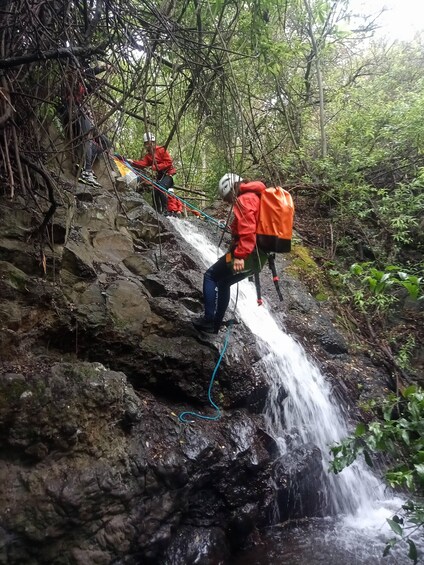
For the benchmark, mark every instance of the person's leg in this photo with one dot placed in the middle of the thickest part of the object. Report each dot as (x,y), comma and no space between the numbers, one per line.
(224,294)
(167,182)
(86,127)
(89,153)
(96,150)
(217,282)
(211,278)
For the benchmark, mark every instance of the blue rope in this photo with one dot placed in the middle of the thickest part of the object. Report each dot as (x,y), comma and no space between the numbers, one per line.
(164,190)
(182,416)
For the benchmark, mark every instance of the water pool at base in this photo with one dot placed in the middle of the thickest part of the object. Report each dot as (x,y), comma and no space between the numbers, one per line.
(324,541)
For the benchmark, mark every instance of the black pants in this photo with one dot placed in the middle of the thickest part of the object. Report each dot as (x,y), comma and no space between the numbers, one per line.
(219,278)
(217,282)
(81,127)
(160,199)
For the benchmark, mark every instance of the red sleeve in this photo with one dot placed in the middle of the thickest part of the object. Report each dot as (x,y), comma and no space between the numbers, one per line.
(145,162)
(246,211)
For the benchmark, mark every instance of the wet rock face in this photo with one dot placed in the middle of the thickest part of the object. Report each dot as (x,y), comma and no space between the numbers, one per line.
(96,468)
(190,546)
(95,471)
(299,475)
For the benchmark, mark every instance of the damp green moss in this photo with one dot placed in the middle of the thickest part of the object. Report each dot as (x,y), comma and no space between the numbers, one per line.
(302,262)
(16,278)
(304,268)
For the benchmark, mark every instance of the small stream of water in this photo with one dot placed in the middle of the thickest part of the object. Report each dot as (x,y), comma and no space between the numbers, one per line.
(311,415)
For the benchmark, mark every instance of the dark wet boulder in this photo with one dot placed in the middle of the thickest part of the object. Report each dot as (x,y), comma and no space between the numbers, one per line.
(98,471)
(300,483)
(198,546)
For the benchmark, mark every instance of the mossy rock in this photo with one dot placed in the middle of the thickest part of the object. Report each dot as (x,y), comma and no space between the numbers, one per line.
(304,267)
(12,277)
(302,264)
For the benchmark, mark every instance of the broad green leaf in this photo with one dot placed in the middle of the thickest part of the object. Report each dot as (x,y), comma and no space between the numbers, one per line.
(420,471)
(409,391)
(391,543)
(395,527)
(405,436)
(360,429)
(412,554)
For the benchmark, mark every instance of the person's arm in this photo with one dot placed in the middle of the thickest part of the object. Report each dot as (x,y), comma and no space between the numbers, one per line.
(143,163)
(245,211)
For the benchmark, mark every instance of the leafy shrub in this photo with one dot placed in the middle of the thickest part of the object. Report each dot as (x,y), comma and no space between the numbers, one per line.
(400,434)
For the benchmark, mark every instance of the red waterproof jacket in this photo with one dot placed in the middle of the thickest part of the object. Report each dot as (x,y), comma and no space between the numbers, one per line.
(246,217)
(161,161)
(174,204)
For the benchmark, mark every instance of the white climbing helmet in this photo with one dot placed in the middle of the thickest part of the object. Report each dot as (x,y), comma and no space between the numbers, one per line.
(226,184)
(148,137)
(170,190)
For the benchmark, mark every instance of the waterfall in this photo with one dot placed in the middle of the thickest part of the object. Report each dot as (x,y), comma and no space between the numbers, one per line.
(310,413)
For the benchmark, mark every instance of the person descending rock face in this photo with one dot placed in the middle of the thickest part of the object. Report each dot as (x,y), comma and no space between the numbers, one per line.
(160,160)
(243,258)
(175,206)
(78,119)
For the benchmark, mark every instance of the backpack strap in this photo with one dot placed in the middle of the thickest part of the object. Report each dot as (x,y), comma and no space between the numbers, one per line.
(258,289)
(271,263)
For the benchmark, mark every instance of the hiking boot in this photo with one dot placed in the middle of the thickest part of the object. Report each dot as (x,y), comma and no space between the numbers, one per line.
(87,177)
(78,169)
(207,326)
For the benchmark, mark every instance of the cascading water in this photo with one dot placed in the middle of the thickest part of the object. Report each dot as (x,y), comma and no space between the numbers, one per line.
(310,415)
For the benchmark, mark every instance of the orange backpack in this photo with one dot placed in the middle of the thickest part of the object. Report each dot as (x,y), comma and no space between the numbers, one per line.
(275,226)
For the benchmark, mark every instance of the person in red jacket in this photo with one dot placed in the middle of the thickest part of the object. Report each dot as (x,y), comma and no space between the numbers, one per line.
(160,160)
(175,206)
(76,115)
(243,258)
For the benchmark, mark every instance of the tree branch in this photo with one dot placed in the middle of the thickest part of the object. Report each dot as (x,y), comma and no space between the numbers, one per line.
(61,53)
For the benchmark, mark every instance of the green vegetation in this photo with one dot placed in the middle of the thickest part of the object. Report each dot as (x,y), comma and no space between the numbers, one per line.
(370,289)
(400,433)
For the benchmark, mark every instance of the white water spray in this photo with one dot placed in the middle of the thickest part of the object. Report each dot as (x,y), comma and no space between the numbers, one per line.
(309,413)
